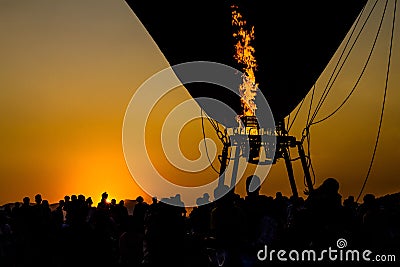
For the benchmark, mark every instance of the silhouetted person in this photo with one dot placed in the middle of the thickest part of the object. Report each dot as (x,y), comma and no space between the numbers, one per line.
(80,210)
(350,216)
(200,217)
(38,210)
(91,210)
(103,204)
(280,207)
(152,207)
(130,245)
(6,240)
(16,218)
(89,202)
(220,191)
(67,209)
(154,201)
(24,237)
(103,210)
(374,222)
(35,242)
(122,215)
(327,220)
(38,215)
(203,200)
(294,228)
(164,234)
(228,226)
(139,211)
(176,201)
(261,222)
(199,227)
(46,215)
(58,215)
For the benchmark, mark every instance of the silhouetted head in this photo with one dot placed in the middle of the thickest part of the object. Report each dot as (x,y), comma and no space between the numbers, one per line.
(113,201)
(89,201)
(7,208)
(220,191)
(74,197)
(67,198)
(81,198)
(154,200)
(253,185)
(38,198)
(369,199)
(26,200)
(206,197)
(139,199)
(45,203)
(330,186)
(121,203)
(104,195)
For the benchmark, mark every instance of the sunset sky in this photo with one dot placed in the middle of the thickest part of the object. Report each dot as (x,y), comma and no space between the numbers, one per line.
(70,68)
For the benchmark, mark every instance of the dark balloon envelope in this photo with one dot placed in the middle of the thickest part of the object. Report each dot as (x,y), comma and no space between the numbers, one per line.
(294,41)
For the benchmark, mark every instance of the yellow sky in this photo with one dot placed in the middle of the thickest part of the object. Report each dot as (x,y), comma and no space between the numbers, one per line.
(69,69)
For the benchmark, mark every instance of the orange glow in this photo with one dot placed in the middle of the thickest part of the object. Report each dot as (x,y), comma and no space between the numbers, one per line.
(244,55)
(67,80)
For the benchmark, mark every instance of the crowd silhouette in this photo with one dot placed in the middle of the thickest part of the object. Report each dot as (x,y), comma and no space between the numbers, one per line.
(225,232)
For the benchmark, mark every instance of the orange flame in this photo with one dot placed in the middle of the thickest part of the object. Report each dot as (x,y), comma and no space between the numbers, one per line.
(244,55)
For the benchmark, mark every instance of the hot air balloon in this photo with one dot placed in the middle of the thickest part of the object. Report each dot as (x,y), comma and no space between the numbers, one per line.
(292,43)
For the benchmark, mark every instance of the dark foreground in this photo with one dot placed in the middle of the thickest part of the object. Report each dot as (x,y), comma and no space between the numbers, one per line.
(256,230)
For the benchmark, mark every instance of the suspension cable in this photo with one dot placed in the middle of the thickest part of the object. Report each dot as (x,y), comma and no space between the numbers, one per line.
(362,72)
(310,107)
(205,143)
(329,86)
(295,116)
(306,131)
(383,103)
(307,136)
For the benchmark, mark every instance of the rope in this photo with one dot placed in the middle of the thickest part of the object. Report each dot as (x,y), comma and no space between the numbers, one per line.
(361,74)
(306,131)
(295,116)
(329,87)
(383,103)
(205,143)
(311,102)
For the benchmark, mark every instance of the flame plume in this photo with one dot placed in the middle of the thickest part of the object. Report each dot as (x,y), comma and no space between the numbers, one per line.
(244,55)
